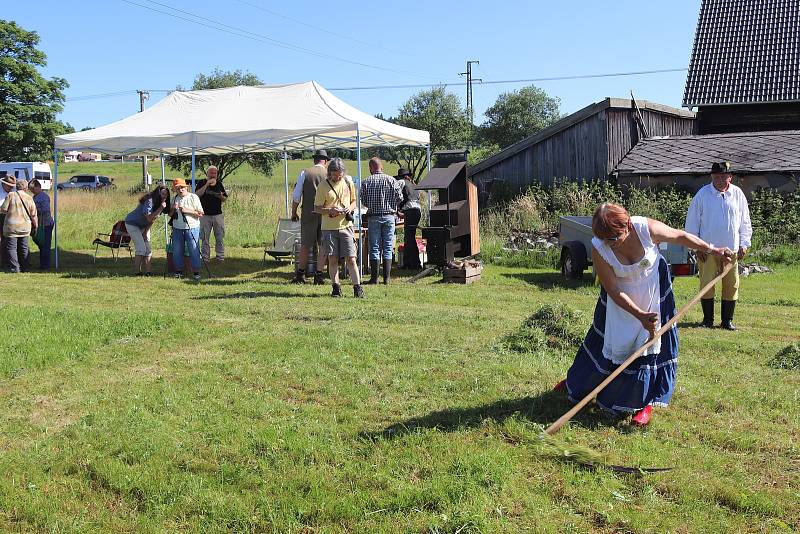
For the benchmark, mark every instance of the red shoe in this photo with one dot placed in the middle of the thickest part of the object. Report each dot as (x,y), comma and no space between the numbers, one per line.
(561,386)
(642,417)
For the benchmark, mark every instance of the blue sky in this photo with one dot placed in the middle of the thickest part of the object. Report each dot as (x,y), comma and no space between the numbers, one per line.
(113,46)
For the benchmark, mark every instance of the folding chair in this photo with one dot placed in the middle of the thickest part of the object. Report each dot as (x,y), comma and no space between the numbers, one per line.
(286,234)
(117,239)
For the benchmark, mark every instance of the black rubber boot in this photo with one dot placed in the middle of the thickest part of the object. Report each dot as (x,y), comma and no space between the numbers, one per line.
(708,313)
(727,314)
(387,271)
(373,273)
(299,277)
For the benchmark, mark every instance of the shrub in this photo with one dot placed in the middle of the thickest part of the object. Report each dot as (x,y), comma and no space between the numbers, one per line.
(775,216)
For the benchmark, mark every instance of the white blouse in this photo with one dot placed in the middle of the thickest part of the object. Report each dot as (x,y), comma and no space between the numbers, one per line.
(624,334)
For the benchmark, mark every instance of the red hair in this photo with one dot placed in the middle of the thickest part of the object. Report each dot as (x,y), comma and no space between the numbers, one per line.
(610,220)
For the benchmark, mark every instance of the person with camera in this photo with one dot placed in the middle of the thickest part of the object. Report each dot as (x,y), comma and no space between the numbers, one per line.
(212,195)
(186,211)
(381,194)
(335,200)
(138,223)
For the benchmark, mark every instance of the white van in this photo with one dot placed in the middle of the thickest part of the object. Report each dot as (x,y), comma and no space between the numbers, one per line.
(28,170)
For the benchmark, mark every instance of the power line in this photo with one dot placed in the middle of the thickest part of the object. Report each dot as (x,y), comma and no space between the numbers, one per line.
(421,86)
(372,44)
(257,36)
(495,82)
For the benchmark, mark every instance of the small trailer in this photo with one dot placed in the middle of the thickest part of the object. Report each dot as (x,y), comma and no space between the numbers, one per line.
(575,237)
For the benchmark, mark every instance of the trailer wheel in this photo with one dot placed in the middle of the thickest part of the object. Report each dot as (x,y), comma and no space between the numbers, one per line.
(573,260)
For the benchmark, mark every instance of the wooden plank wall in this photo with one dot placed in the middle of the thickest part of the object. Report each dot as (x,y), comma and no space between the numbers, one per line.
(623,133)
(578,151)
(589,149)
(749,118)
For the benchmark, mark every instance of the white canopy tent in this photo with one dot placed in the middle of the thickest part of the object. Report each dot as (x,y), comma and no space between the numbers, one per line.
(276,118)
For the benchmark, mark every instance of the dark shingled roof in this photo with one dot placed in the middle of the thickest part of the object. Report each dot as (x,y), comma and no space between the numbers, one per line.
(750,152)
(745,52)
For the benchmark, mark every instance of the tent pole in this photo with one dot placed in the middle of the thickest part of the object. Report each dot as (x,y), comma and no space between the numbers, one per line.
(164,183)
(55,205)
(193,158)
(428,160)
(358,204)
(286,178)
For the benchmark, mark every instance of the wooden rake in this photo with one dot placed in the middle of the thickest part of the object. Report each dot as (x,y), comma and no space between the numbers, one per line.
(552,429)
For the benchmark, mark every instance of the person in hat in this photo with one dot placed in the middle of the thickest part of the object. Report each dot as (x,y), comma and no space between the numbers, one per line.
(187,211)
(20,221)
(412,212)
(212,195)
(310,223)
(381,194)
(719,214)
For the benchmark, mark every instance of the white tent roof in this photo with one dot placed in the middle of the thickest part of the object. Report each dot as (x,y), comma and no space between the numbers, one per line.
(243,119)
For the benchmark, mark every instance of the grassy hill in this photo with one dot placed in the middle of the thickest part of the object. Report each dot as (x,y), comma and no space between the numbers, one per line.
(245,404)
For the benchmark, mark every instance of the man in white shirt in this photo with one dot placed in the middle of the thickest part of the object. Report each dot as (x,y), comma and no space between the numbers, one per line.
(720,216)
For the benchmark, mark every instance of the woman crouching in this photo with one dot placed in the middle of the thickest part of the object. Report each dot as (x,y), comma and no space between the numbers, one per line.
(635,300)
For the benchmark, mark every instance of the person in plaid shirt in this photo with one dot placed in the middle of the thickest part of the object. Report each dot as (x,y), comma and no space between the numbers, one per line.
(381,194)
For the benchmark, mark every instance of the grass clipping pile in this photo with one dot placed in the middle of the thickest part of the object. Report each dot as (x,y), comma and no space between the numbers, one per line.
(553,326)
(788,358)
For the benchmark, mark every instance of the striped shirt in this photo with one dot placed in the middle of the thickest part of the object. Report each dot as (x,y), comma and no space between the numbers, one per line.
(381,194)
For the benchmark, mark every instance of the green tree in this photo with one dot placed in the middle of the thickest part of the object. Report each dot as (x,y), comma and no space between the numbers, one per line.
(438,112)
(28,102)
(260,162)
(519,114)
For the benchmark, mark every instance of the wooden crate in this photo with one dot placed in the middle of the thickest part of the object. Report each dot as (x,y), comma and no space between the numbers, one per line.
(467,275)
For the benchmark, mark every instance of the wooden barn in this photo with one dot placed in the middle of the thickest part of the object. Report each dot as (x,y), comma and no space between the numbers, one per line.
(587,144)
(744,81)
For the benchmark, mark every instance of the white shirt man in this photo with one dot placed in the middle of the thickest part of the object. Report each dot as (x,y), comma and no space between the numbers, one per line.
(719,215)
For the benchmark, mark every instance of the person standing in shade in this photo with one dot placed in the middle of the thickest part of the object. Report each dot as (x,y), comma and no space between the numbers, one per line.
(310,223)
(187,211)
(138,223)
(412,212)
(381,194)
(719,214)
(46,222)
(20,220)
(335,201)
(212,194)
(3,195)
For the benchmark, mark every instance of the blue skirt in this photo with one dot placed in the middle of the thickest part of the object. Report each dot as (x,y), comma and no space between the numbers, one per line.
(647,381)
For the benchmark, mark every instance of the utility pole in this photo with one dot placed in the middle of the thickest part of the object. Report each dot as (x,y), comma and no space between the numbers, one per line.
(143,95)
(470,80)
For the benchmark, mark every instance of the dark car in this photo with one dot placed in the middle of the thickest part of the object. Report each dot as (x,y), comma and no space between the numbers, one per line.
(87,181)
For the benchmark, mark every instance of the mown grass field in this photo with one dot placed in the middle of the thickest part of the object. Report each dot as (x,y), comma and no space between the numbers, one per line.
(245,404)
